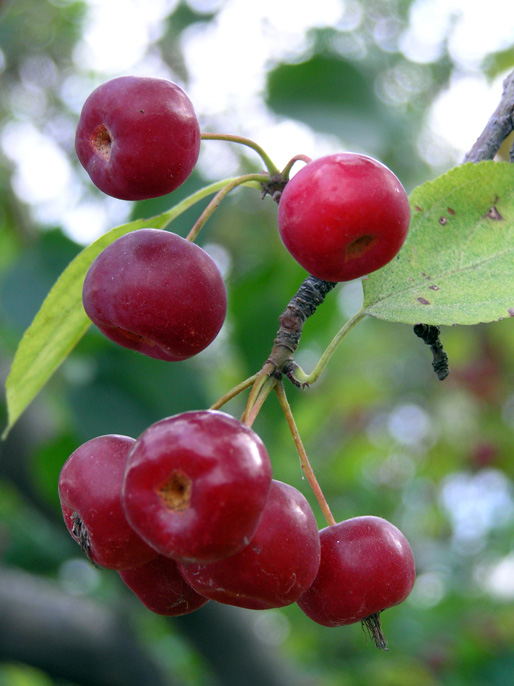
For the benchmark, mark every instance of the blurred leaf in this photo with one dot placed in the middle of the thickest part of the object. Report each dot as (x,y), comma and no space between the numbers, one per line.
(499,62)
(329,94)
(456,264)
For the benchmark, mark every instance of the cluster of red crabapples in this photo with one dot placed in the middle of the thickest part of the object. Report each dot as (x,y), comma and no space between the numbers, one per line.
(189,511)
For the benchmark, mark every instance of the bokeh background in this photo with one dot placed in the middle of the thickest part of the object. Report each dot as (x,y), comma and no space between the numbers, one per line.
(411,82)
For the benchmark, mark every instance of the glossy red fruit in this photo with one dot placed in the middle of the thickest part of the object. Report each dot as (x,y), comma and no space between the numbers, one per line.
(90,495)
(160,586)
(138,137)
(154,292)
(196,484)
(276,567)
(366,566)
(343,216)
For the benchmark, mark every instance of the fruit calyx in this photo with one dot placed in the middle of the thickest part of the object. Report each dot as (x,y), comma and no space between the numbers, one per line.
(175,492)
(81,535)
(101,142)
(274,186)
(372,627)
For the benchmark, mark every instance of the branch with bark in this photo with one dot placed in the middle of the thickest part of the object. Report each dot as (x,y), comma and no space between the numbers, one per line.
(498,128)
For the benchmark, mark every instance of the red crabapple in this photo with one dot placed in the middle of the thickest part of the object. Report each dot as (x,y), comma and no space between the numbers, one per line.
(138,137)
(343,216)
(157,293)
(196,484)
(90,494)
(366,566)
(161,588)
(276,567)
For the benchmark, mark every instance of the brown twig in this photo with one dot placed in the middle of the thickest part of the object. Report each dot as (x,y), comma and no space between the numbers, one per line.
(302,305)
(499,126)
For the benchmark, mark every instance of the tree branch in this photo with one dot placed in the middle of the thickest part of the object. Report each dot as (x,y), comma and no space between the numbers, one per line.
(224,635)
(69,637)
(499,126)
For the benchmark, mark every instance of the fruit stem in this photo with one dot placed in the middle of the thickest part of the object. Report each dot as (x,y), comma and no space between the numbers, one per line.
(270,166)
(233,392)
(296,373)
(264,383)
(220,195)
(181,207)
(297,158)
(304,460)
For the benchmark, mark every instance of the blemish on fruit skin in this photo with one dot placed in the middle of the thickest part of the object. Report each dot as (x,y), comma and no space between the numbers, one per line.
(360,246)
(450,211)
(433,287)
(417,208)
(443,221)
(511,311)
(423,301)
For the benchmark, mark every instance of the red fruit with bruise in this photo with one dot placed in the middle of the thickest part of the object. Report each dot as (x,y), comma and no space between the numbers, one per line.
(138,137)
(157,293)
(276,567)
(161,588)
(366,566)
(196,484)
(90,495)
(343,216)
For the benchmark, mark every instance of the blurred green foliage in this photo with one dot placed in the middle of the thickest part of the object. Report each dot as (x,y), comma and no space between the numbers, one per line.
(384,436)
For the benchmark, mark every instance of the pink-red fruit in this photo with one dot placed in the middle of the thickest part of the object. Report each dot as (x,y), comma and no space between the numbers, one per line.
(366,566)
(343,216)
(138,137)
(196,484)
(90,495)
(160,586)
(154,292)
(276,567)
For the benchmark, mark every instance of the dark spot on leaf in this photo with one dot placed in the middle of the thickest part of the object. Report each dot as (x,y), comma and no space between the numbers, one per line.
(511,311)
(443,221)
(418,209)
(434,287)
(450,210)
(492,213)
(423,301)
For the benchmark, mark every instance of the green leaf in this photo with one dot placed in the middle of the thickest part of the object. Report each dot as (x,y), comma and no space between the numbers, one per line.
(58,326)
(457,263)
